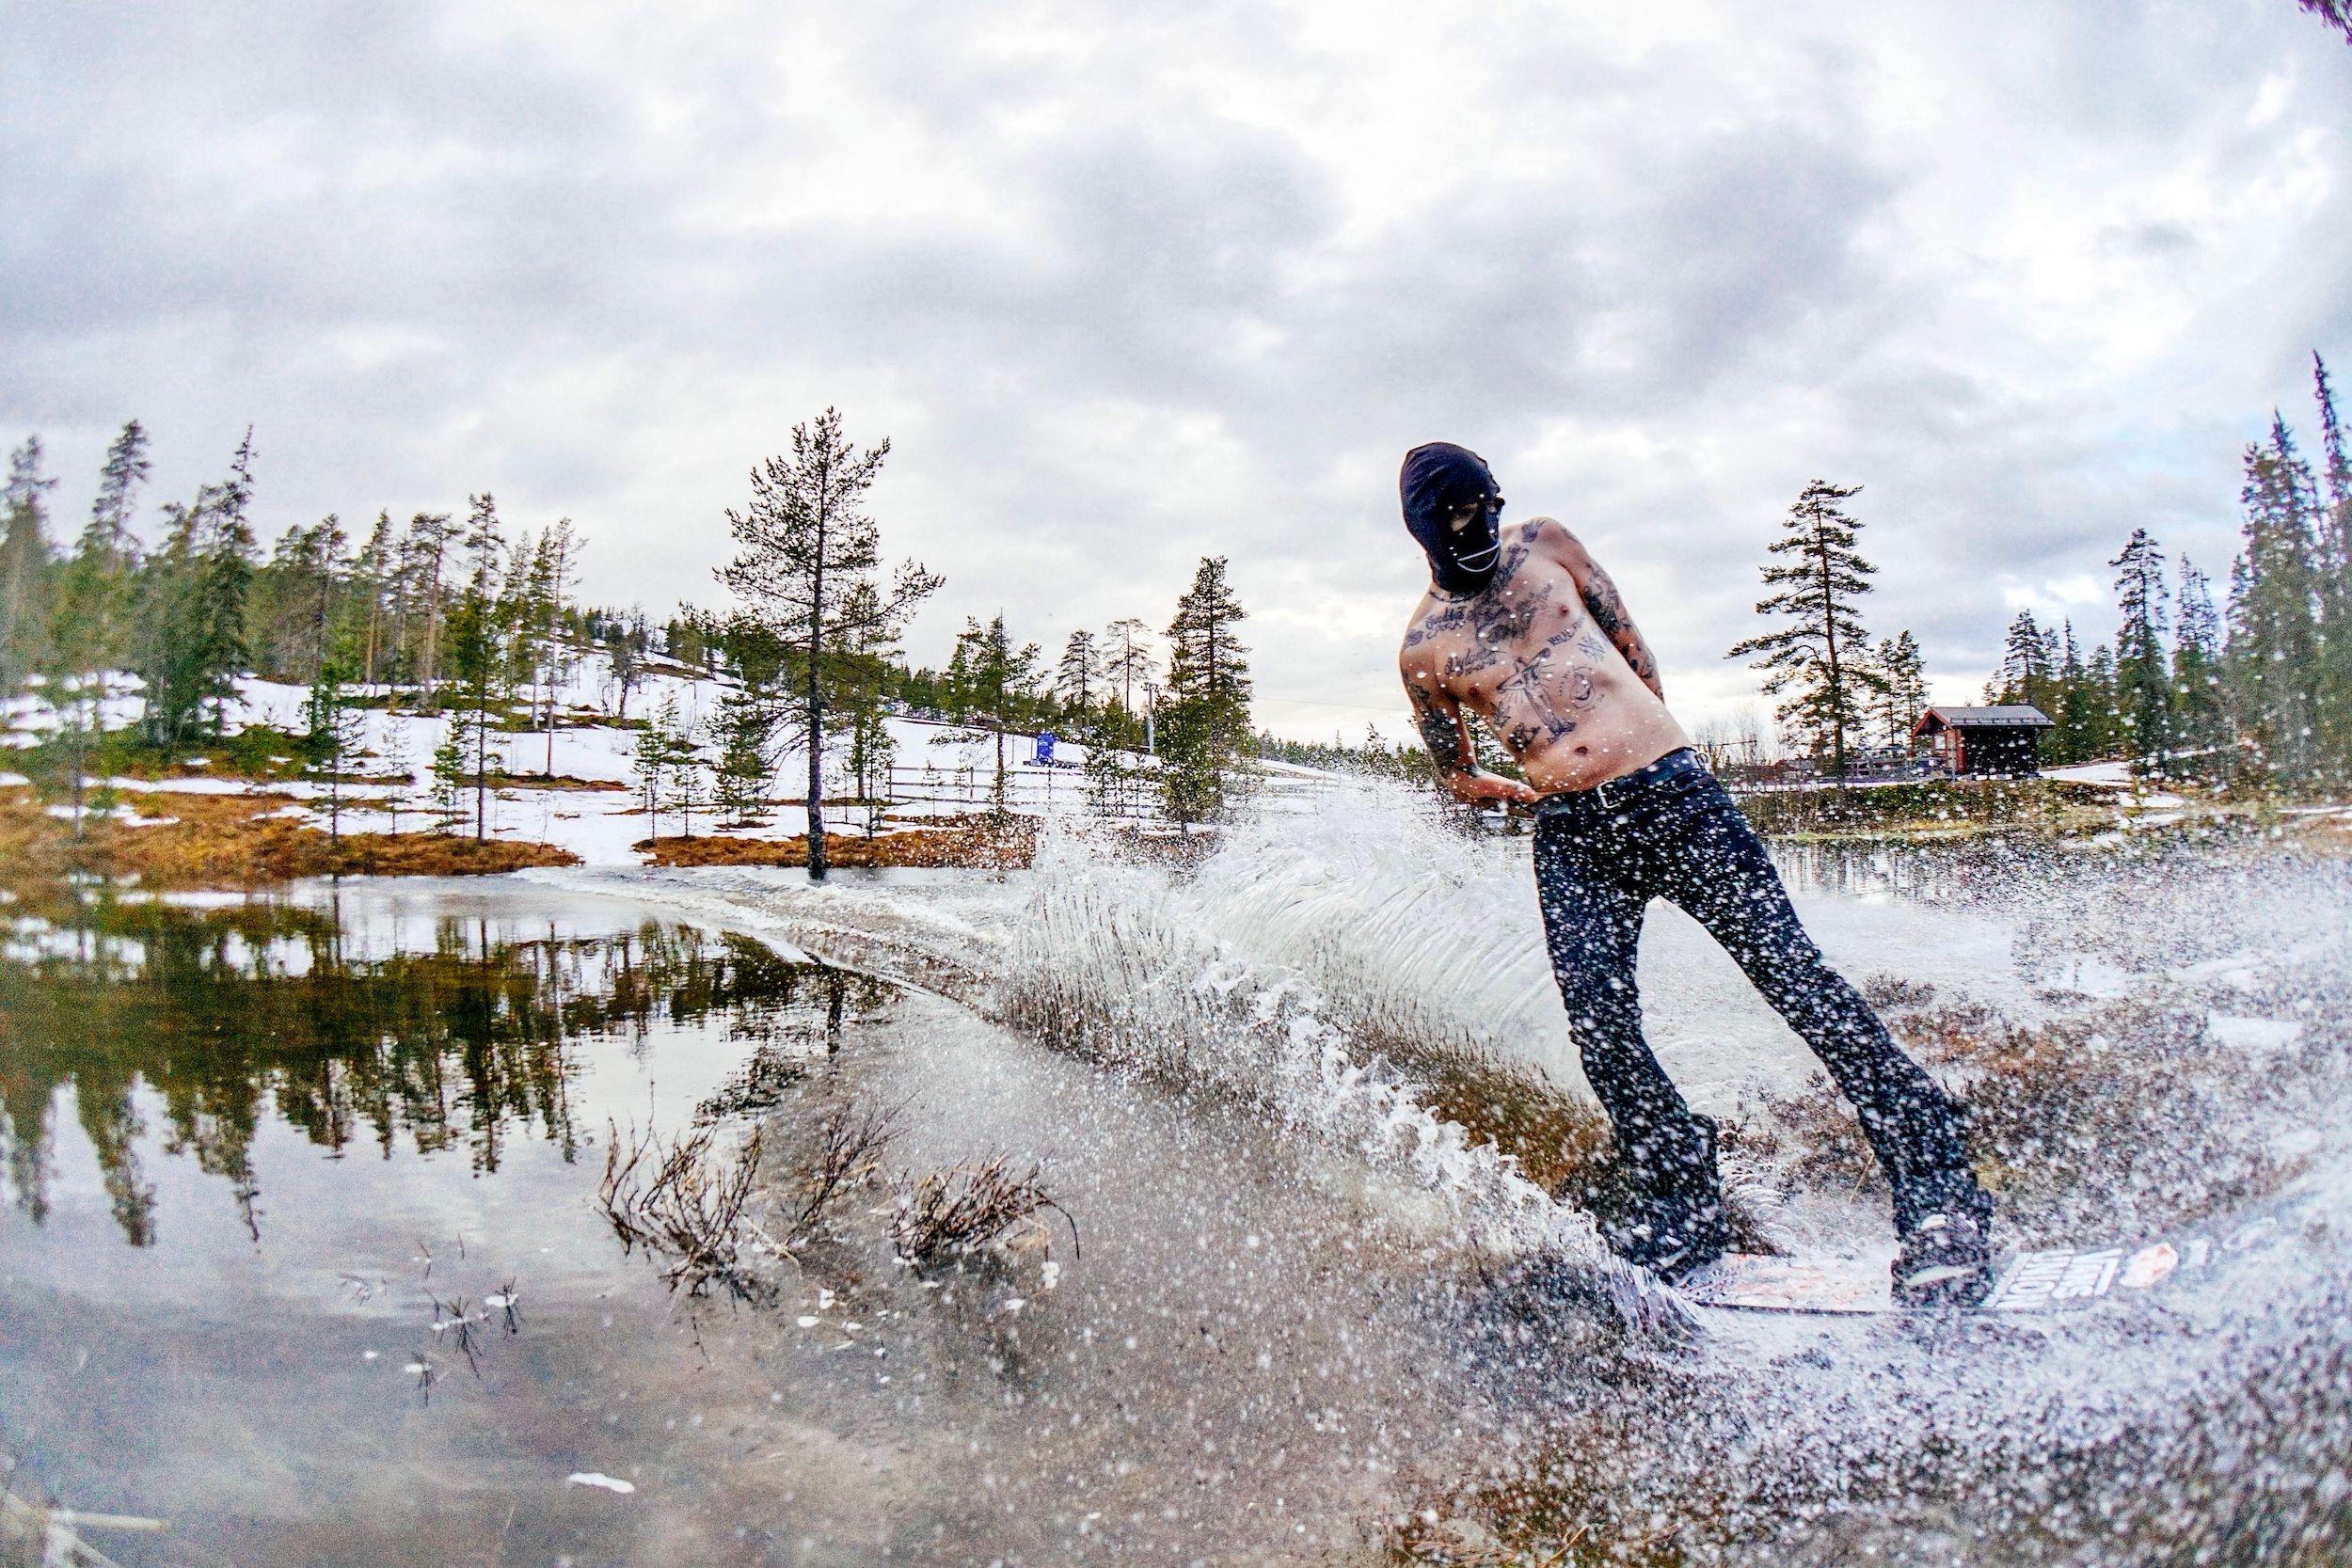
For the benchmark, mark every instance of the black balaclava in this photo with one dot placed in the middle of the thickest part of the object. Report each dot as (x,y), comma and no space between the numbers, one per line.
(1437,481)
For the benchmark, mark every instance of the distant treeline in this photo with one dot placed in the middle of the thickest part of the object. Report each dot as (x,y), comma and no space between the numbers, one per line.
(455,614)
(2257,694)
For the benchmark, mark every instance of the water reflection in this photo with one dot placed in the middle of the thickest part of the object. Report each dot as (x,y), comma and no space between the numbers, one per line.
(213,1020)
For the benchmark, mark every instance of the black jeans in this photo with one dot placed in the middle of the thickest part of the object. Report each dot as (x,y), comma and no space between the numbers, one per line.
(1670,830)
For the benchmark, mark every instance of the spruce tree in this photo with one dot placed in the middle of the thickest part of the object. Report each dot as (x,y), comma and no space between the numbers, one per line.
(476,650)
(858,683)
(806,542)
(2028,674)
(2332,682)
(1824,576)
(991,682)
(26,567)
(2143,680)
(298,599)
(338,729)
(2273,616)
(448,773)
(227,582)
(1906,695)
(2200,724)
(747,727)
(2076,712)
(1204,725)
(167,601)
(93,616)
(654,760)
(2102,731)
(191,598)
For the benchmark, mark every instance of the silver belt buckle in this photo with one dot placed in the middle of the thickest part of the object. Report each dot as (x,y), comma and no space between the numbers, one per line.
(1600,791)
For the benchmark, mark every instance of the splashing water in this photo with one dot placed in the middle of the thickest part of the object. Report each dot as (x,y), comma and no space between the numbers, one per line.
(2153,1035)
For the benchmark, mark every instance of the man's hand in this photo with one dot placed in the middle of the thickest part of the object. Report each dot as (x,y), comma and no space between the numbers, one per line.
(1439,720)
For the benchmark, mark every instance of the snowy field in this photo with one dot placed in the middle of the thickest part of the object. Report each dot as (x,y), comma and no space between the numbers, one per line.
(939,769)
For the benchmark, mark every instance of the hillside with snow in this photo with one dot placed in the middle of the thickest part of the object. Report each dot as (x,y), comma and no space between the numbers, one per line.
(576,786)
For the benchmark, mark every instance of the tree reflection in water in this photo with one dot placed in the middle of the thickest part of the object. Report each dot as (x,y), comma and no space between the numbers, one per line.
(224,1015)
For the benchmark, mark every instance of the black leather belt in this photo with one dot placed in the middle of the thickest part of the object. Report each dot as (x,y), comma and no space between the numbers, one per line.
(1612,793)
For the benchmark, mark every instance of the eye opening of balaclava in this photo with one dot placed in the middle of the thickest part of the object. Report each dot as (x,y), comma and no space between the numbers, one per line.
(1437,481)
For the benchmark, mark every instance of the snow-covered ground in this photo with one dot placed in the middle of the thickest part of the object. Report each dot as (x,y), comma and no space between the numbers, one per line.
(938,769)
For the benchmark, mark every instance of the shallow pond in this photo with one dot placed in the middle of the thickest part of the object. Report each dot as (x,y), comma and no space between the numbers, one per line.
(303,1260)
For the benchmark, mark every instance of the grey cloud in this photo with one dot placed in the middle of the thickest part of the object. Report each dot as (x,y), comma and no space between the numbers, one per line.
(434,251)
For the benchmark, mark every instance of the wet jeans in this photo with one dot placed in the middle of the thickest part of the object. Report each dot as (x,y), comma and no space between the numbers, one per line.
(1671,831)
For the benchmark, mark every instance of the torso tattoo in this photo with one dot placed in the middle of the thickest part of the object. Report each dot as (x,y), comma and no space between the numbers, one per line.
(1545,690)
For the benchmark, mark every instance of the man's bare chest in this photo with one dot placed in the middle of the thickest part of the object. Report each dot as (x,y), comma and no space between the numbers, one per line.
(1528,628)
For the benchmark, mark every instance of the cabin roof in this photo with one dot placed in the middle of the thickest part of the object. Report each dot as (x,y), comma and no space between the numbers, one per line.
(2008,716)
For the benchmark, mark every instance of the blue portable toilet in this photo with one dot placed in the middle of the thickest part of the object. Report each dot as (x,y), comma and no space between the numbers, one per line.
(1044,757)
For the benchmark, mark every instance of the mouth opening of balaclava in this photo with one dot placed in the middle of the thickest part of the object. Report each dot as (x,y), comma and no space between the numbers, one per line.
(1437,481)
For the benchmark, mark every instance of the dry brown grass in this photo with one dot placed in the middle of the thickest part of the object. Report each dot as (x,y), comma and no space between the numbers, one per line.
(230,840)
(971,841)
(850,1143)
(684,1199)
(559,782)
(951,1213)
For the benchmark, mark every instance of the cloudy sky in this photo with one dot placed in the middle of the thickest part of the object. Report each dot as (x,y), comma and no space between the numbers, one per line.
(1125,285)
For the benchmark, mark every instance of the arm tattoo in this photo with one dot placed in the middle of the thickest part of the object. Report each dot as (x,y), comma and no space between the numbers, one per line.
(1600,597)
(1608,614)
(1439,733)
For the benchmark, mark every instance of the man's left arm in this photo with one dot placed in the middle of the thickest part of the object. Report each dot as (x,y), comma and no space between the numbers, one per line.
(1605,606)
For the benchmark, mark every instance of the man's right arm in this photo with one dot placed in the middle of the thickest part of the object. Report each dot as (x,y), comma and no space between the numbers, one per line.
(1439,719)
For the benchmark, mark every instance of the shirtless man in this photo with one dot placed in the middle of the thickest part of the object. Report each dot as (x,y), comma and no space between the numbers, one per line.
(1522,629)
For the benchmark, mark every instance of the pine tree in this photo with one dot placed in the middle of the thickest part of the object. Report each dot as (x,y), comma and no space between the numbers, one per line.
(2273,617)
(1820,586)
(424,569)
(1079,679)
(2143,683)
(625,645)
(25,566)
(299,597)
(544,600)
(1128,658)
(373,583)
(806,542)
